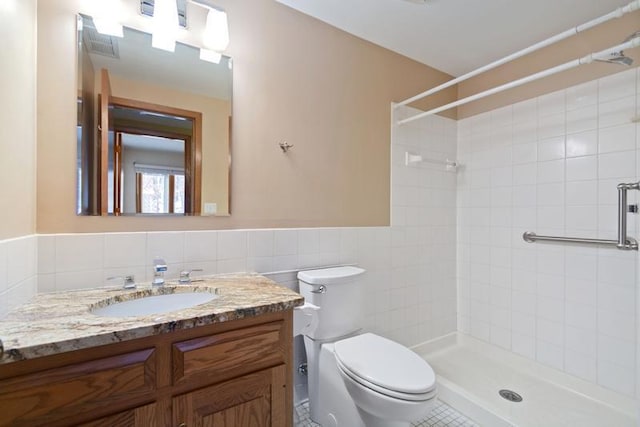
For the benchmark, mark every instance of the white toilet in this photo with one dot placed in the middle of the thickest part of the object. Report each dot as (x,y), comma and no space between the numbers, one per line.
(358,379)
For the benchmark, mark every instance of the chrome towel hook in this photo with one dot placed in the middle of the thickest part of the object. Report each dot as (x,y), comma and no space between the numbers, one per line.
(285,146)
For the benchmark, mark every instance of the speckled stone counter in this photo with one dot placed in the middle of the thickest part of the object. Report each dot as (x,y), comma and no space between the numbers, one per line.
(60,322)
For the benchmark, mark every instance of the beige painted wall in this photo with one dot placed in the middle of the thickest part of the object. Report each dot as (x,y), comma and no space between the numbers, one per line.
(215,131)
(17,117)
(601,37)
(296,79)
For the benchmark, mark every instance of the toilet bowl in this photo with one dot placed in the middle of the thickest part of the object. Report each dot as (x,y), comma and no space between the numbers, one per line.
(389,384)
(358,379)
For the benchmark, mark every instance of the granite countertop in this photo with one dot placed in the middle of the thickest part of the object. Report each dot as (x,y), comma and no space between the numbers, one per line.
(60,322)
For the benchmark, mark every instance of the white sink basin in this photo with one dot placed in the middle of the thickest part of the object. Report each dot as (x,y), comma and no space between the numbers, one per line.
(155,304)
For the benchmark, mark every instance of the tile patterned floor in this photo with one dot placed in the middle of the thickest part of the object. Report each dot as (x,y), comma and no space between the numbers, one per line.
(442,415)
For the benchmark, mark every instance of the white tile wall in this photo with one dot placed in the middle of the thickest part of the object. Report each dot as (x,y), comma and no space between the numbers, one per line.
(556,160)
(396,294)
(74,261)
(18,272)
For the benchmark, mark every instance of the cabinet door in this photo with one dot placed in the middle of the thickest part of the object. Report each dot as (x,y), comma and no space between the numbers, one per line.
(78,391)
(143,416)
(253,400)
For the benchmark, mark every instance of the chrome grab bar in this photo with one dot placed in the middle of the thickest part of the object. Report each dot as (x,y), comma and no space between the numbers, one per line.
(531,237)
(623,242)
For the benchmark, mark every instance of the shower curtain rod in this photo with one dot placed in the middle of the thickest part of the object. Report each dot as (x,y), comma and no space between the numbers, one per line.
(603,54)
(618,13)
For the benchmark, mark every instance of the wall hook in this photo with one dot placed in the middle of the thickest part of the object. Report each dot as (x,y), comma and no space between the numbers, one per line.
(285,146)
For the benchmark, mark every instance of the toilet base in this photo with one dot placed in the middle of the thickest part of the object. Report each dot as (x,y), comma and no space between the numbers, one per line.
(330,404)
(371,421)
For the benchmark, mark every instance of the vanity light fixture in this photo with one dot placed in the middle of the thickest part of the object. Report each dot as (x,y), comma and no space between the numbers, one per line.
(108,27)
(147,7)
(216,31)
(105,18)
(215,37)
(165,25)
(210,55)
(167,16)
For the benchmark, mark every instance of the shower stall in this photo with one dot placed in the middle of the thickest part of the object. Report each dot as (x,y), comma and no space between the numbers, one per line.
(546,269)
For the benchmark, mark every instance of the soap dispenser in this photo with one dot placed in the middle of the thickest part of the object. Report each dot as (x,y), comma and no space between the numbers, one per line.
(159,268)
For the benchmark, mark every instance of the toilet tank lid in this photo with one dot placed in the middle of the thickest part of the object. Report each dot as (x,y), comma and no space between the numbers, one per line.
(328,276)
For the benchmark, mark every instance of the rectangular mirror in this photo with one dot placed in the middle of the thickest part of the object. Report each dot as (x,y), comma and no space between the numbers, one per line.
(154,127)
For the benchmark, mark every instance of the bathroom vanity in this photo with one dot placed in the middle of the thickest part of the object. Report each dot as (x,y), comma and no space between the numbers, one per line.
(223,363)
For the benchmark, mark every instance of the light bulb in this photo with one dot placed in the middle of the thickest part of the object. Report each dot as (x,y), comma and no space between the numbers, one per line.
(106,17)
(165,25)
(108,27)
(216,32)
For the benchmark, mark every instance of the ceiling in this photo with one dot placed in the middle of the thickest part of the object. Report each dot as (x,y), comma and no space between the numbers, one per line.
(152,143)
(455,36)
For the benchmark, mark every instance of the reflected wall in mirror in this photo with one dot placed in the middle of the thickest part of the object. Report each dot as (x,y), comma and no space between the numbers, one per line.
(154,127)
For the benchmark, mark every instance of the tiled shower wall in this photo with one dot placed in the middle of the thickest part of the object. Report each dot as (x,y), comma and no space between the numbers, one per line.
(18,272)
(551,165)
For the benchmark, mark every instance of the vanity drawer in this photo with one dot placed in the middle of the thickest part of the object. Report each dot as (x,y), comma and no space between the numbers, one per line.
(222,356)
(52,396)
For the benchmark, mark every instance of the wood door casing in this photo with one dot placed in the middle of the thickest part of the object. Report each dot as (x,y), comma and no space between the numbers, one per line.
(193,145)
(117,175)
(105,126)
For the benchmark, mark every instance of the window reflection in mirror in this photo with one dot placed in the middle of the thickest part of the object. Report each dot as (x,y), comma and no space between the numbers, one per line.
(153,127)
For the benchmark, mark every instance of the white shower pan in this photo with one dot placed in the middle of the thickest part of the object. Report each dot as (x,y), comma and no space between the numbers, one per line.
(471,372)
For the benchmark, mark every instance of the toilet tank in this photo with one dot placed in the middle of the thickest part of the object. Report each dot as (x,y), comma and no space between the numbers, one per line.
(338,292)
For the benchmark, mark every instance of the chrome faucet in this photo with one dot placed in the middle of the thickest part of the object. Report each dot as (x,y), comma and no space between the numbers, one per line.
(128,282)
(185,276)
(159,268)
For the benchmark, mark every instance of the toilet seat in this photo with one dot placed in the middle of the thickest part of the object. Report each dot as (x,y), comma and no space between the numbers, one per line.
(386,367)
(411,397)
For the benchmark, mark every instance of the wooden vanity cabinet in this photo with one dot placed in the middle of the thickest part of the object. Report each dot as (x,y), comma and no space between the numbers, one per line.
(137,417)
(231,374)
